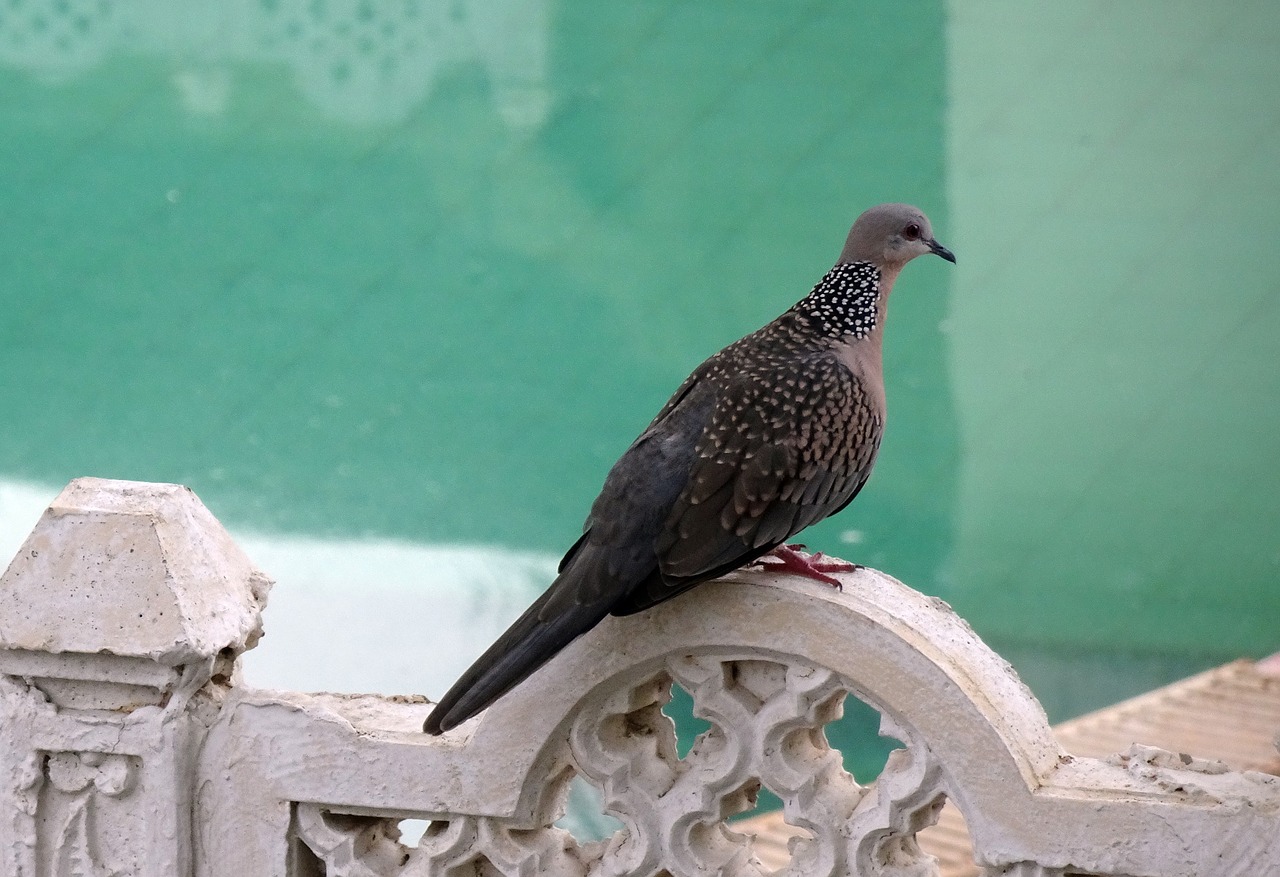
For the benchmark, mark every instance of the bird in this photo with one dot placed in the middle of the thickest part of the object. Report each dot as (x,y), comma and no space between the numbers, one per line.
(775,432)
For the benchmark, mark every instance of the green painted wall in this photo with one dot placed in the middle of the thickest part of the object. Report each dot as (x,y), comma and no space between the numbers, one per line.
(424,275)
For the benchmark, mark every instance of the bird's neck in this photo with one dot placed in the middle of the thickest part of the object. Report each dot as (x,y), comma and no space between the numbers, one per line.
(849,302)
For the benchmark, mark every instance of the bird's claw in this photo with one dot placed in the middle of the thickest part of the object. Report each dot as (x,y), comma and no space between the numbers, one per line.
(794,559)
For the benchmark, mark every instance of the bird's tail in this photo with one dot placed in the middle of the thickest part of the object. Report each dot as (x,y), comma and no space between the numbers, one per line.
(528,644)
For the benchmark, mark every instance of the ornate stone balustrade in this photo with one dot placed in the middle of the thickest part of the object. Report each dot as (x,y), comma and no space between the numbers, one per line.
(129,746)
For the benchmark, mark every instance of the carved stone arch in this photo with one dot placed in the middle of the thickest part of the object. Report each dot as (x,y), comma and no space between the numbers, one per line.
(972,729)
(907,654)
(768,657)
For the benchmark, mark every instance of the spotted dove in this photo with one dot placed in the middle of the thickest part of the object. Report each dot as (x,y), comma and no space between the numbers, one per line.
(773,433)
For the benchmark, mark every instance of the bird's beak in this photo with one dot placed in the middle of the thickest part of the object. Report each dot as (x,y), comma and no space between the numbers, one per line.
(939,250)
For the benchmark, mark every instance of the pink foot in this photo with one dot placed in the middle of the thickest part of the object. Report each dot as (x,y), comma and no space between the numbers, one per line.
(794,559)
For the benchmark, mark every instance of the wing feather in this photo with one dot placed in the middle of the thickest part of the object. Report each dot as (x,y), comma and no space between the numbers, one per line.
(770,462)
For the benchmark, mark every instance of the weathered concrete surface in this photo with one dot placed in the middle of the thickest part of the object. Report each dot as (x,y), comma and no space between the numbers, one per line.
(766,659)
(121,618)
(129,746)
(132,569)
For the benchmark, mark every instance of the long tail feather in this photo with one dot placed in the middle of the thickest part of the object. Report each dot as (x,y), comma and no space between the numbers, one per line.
(528,644)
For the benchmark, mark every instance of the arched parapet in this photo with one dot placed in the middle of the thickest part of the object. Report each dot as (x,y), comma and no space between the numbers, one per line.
(128,744)
(768,661)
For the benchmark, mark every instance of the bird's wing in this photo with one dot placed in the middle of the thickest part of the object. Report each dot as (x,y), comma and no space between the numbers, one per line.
(783,449)
(628,489)
(638,493)
(612,559)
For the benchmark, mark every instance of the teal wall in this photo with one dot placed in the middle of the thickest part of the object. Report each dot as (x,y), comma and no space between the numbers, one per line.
(1113,173)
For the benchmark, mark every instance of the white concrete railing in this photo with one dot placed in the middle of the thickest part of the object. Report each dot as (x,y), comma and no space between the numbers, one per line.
(129,746)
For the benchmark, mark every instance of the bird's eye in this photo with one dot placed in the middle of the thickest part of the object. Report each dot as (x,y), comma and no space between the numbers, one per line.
(911,232)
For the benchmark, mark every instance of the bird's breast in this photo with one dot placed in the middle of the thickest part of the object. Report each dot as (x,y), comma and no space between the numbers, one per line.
(863,359)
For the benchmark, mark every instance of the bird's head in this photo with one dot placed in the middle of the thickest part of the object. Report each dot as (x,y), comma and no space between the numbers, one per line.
(890,236)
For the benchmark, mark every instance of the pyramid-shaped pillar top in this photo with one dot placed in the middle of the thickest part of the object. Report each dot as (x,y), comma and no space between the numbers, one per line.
(131,569)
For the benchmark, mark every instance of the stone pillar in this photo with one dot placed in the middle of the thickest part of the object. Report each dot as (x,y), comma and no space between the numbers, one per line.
(121,619)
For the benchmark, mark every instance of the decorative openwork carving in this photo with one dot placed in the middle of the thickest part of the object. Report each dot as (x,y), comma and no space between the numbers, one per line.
(970,732)
(766,721)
